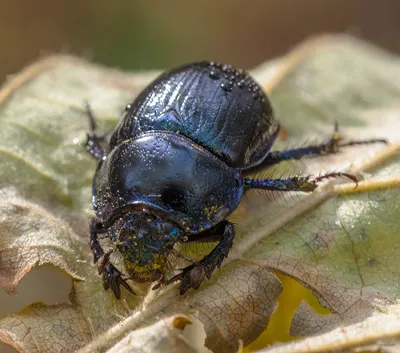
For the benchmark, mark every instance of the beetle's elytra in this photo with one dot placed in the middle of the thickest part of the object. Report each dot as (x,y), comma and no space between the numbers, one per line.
(175,168)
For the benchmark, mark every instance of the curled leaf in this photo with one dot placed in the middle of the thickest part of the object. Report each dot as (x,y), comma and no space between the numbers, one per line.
(163,336)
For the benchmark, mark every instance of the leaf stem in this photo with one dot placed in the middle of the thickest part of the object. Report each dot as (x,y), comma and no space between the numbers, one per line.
(369,185)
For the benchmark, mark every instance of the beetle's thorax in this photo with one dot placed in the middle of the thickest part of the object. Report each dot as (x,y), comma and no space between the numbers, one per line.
(171,173)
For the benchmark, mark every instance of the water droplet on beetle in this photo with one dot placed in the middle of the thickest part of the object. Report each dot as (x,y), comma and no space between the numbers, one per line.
(214,75)
(226,86)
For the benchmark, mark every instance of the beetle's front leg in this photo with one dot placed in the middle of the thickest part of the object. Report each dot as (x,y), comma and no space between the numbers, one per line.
(95,246)
(112,277)
(193,275)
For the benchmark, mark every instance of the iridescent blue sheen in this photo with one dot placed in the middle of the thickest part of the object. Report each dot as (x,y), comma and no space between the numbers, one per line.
(279,184)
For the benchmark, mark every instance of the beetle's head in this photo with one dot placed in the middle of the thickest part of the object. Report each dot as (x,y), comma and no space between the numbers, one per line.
(144,239)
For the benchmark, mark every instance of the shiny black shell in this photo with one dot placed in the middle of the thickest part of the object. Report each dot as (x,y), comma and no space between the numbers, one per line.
(180,148)
(168,173)
(219,107)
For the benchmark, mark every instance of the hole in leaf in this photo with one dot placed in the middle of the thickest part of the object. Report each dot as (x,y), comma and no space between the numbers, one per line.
(46,284)
(278,328)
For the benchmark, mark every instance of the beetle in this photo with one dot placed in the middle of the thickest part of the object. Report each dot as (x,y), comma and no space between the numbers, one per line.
(175,168)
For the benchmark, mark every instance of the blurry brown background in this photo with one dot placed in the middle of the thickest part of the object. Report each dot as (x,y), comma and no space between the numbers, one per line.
(159,34)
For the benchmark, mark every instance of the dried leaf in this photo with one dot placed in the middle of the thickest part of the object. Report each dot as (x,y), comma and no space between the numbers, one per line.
(239,304)
(58,328)
(342,245)
(32,236)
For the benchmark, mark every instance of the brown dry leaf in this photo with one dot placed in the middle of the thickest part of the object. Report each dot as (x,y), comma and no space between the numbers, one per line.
(341,245)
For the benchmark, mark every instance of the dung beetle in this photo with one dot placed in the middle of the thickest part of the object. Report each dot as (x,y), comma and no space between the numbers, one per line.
(175,168)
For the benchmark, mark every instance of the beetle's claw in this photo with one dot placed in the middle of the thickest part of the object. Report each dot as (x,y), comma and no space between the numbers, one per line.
(190,277)
(112,278)
(193,279)
(159,284)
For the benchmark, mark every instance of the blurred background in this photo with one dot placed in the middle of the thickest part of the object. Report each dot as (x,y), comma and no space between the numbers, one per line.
(157,34)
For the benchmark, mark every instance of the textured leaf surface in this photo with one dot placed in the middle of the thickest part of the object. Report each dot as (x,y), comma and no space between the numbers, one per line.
(376,333)
(345,250)
(59,328)
(343,246)
(32,236)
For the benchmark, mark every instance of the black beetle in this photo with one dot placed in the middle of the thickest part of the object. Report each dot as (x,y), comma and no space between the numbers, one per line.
(175,168)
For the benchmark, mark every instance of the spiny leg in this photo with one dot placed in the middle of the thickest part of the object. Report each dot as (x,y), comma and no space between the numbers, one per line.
(297,183)
(112,277)
(329,147)
(93,142)
(193,275)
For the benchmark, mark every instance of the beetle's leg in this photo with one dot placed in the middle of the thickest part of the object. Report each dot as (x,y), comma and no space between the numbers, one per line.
(95,246)
(193,275)
(297,183)
(105,260)
(93,142)
(329,147)
(112,277)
